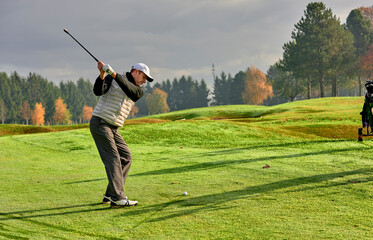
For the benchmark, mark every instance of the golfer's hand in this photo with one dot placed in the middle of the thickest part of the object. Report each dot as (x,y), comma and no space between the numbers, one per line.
(108,69)
(102,72)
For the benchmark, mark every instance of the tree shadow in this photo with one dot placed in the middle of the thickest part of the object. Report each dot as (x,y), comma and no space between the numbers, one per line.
(267,145)
(28,216)
(224,163)
(211,202)
(85,181)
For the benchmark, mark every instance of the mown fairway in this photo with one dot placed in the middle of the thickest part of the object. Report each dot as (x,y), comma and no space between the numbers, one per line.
(316,184)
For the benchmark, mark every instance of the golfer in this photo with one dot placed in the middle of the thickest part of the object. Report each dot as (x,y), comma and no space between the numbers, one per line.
(117,95)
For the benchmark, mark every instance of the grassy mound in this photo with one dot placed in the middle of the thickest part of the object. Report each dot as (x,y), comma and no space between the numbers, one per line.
(334,118)
(344,107)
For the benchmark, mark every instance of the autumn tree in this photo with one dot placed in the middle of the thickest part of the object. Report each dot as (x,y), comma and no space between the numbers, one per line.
(257,89)
(367,13)
(366,63)
(134,111)
(25,111)
(61,115)
(157,102)
(38,114)
(87,113)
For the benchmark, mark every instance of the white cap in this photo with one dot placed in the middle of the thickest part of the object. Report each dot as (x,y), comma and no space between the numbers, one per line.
(145,69)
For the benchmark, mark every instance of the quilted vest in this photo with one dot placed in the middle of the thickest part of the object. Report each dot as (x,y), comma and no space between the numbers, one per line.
(114,106)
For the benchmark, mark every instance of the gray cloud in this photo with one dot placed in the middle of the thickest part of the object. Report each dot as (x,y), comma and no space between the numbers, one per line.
(172,37)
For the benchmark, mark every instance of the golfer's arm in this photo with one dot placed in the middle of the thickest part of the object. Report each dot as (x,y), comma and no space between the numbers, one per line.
(131,90)
(101,86)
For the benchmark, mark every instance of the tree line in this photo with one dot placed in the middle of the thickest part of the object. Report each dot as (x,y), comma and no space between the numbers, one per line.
(250,87)
(25,98)
(34,98)
(323,58)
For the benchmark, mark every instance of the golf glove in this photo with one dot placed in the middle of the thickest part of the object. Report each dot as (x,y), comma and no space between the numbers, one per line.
(108,69)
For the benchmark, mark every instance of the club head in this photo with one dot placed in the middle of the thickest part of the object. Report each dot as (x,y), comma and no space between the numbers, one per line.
(65,30)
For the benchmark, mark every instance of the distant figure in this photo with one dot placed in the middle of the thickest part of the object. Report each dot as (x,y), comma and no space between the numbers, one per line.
(366,113)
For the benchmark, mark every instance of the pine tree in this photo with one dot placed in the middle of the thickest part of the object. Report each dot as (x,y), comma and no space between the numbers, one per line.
(284,84)
(3,111)
(237,87)
(16,97)
(5,95)
(74,99)
(361,29)
(85,88)
(318,46)
(25,111)
(222,90)
(202,94)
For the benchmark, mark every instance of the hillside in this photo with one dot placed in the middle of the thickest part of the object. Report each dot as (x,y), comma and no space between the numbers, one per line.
(324,117)
(250,172)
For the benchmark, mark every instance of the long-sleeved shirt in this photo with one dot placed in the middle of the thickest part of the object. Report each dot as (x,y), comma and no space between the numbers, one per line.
(127,84)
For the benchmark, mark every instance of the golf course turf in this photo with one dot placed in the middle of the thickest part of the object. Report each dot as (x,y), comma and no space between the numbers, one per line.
(290,171)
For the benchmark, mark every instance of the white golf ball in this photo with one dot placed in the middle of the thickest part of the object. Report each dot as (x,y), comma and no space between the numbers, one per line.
(185,193)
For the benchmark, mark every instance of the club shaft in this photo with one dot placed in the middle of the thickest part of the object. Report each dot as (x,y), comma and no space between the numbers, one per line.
(81,45)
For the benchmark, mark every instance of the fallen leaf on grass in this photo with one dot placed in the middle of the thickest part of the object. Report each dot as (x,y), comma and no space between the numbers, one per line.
(266,166)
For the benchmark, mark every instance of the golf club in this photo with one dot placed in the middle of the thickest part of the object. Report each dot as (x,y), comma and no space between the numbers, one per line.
(65,30)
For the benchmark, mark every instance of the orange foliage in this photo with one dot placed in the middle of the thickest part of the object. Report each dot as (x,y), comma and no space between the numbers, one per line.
(87,113)
(157,102)
(38,114)
(257,89)
(367,12)
(62,114)
(367,63)
(134,110)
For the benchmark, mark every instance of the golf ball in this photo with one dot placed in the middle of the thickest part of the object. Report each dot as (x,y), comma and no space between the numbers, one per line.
(185,193)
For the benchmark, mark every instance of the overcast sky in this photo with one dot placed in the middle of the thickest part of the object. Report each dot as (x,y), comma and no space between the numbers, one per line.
(173,37)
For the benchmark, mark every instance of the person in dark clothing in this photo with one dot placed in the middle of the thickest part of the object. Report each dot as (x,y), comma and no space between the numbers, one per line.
(117,94)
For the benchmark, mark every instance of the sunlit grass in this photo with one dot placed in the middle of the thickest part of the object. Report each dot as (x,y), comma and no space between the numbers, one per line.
(294,173)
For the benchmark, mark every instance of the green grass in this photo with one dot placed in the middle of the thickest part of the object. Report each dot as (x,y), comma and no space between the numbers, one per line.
(318,185)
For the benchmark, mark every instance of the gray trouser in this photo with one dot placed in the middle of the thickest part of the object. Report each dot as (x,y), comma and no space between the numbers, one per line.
(115,155)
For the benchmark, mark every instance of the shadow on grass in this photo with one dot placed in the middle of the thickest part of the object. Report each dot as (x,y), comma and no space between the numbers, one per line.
(260,146)
(85,181)
(225,163)
(211,202)
(270,145)
(28,216)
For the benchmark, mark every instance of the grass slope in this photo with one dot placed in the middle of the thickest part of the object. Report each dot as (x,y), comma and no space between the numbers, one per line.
(316,182)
